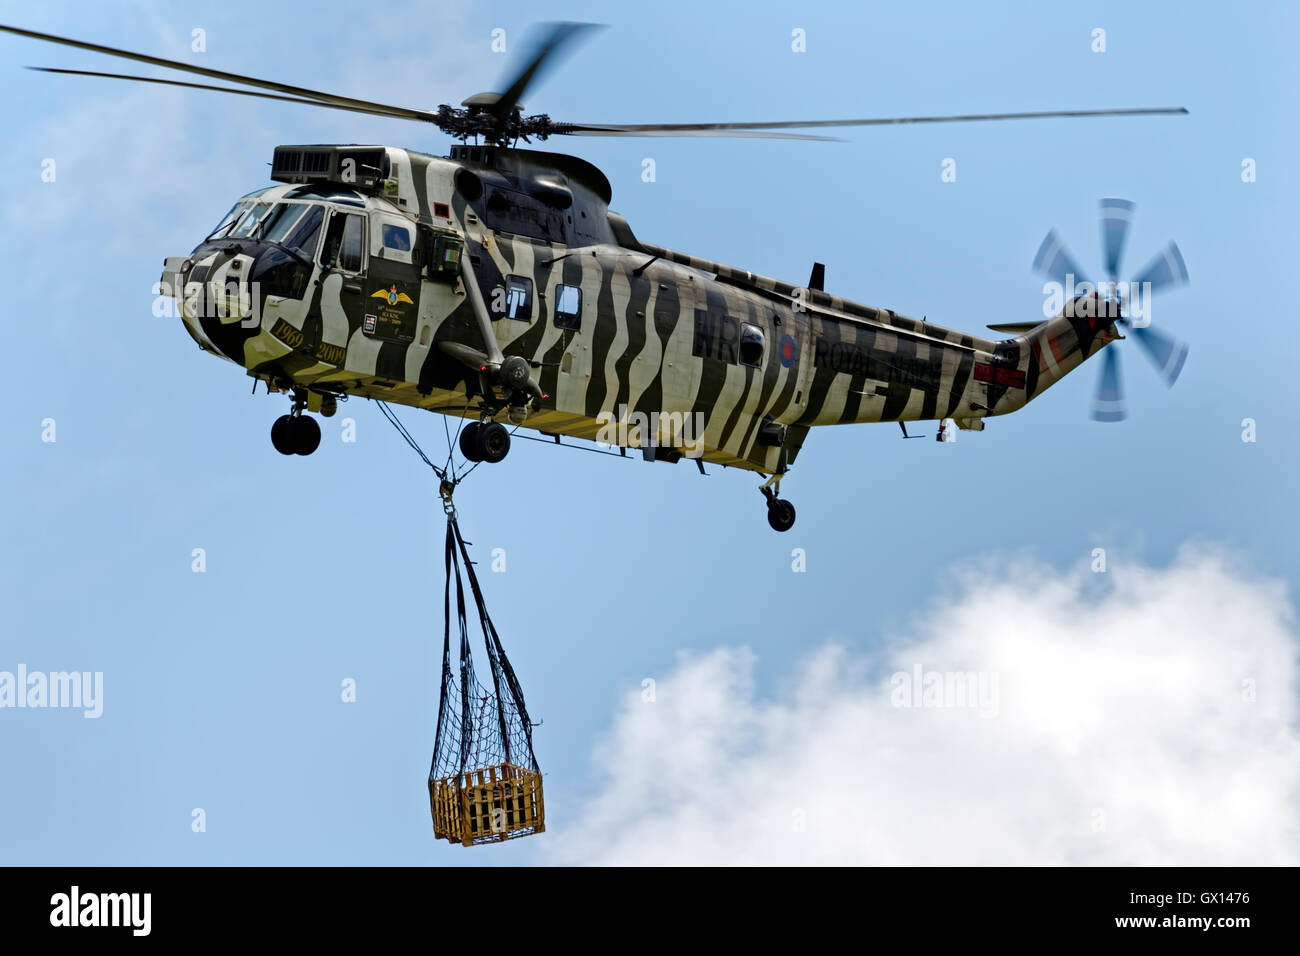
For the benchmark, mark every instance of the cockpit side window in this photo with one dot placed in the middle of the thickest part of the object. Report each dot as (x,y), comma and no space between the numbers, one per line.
(329,250)
(353,239)
(281,221)
(344,246)
(305,233)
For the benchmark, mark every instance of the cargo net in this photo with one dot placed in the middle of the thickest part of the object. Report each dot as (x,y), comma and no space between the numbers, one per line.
(484,783)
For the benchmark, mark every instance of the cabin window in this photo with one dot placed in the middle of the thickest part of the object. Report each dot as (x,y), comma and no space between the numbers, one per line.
(515,300)
(751,345)
(568,307)
(392,238)
(397,238)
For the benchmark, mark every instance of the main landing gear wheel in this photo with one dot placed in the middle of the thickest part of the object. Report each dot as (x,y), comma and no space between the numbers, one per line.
(484,441)
(780,514)
(492,442)
(305,434)
(295,435)
(469,442)
(280,434)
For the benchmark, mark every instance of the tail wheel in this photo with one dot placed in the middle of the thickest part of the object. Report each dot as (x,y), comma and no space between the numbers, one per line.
(305,435)
(780,514)
(469,442)
(282,435)
(493,442)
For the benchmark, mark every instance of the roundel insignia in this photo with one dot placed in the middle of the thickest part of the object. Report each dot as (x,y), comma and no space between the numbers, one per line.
(788,351)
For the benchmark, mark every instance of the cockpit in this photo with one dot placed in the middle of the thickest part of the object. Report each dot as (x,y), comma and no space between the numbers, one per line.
(289,232)
(293,261)
(323,242)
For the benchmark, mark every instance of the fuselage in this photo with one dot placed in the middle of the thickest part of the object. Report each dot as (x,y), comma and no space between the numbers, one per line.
(344,282)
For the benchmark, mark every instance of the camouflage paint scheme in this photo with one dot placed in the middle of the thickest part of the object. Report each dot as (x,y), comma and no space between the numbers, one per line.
(658,330)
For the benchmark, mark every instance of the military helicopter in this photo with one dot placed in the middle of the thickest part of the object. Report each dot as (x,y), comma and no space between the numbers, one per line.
(495,285)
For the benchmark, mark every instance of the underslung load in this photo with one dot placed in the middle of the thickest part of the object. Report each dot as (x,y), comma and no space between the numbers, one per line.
(484,782)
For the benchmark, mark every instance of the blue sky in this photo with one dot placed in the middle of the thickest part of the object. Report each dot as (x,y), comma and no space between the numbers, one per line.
(222,688)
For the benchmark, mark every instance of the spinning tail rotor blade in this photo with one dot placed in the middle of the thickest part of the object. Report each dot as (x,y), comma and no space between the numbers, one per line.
(1165,270)
(1116,214)
(1108,405)
(1055,262)
(1165,352)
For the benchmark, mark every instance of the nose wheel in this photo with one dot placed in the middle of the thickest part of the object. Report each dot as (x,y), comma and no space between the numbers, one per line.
(485,441)
(780,512)
(295,434)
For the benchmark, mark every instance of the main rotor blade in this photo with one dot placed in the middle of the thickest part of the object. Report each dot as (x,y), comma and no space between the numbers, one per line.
(226,89)
(667,129)
(331,99)
(1055,262)
(1165,352)
(1166,269)
(568,129)
(1115,217)
(1108,405)
(559,35)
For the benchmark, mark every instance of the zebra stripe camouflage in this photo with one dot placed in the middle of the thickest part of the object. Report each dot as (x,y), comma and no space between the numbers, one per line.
(364,297)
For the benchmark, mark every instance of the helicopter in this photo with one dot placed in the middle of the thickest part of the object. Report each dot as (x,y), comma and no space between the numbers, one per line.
(494,285)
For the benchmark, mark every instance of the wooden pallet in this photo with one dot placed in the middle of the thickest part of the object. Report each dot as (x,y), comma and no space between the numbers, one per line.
(488,805)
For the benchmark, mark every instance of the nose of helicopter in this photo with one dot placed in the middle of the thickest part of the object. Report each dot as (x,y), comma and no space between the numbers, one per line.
(212,296)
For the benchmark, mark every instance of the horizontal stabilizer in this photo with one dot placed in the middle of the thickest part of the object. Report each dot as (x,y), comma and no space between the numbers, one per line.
(1015,328)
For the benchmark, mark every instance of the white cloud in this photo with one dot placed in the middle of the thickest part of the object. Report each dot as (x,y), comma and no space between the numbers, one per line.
(1123,734)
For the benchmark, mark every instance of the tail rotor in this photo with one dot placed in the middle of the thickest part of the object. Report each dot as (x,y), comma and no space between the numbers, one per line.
(1166,271)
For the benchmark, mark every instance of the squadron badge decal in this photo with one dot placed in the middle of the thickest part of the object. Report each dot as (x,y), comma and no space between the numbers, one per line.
(392,296)
(392,321)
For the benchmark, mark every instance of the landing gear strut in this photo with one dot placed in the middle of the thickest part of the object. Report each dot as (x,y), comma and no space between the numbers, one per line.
(485,441)
(296,433)
(780,512)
